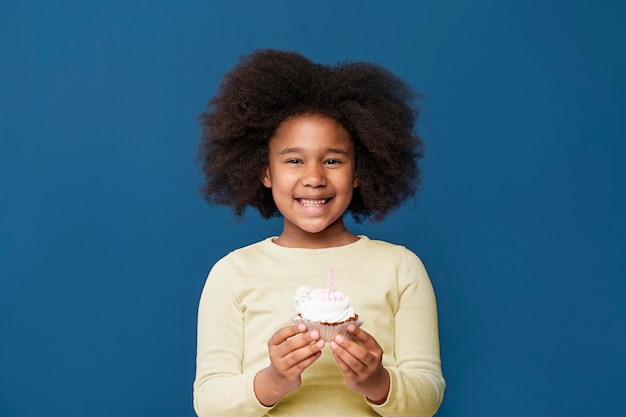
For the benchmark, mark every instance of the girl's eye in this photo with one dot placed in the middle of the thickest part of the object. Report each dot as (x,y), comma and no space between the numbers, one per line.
(292,161)
(333,161)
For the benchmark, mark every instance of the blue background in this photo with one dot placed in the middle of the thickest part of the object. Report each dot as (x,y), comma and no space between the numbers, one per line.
(521,222)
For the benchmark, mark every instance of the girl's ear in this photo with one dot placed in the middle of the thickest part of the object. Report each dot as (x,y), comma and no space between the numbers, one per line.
(355,182)
(265,178)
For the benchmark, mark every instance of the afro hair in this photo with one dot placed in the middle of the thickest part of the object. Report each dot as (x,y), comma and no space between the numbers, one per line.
(267,87)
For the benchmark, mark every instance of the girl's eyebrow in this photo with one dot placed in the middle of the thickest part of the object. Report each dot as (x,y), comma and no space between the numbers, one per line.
(337,150)
(290,150)
(328,150)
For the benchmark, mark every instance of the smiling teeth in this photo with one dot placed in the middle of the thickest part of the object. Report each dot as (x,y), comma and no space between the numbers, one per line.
(312,203)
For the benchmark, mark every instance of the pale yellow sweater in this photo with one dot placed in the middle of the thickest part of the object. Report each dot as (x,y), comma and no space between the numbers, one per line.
(249,295)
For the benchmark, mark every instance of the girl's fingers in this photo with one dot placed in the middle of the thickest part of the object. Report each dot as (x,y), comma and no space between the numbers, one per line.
(350,354)
(366,339)
(299,356)
(357,357)
(293,346)
(286,333)
(361,364)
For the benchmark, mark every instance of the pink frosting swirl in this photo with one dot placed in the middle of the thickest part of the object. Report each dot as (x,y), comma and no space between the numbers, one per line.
(321,294)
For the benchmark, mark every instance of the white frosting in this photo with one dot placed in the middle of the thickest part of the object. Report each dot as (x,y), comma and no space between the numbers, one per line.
(321,310)
(302,294)
(327,311)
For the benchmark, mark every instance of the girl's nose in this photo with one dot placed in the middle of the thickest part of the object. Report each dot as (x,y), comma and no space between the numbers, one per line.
(314,176)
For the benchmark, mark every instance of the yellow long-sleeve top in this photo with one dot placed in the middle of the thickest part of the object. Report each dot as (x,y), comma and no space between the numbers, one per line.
(249,294)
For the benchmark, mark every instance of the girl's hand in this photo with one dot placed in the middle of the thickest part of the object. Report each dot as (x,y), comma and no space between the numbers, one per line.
(361,364)
(291,349)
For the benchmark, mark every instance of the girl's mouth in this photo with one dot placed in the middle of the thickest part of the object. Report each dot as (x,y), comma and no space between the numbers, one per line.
(313,203)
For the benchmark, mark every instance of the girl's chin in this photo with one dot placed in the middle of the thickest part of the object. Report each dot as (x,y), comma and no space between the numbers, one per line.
(311,231)
(317,229)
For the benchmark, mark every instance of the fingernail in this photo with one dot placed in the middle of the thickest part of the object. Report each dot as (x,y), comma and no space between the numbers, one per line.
(320,343)
(315,335)
(332,345)
(339,338)
(302,327)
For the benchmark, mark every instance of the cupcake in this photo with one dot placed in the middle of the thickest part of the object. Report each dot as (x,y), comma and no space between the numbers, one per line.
(324,309)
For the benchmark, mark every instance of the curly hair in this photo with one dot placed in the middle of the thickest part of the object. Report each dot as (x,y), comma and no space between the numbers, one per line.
(267,87)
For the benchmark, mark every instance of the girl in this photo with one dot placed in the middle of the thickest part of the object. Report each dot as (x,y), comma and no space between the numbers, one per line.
(311,142)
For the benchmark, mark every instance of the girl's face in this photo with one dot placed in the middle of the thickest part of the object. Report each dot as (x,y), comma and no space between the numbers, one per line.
(311,173)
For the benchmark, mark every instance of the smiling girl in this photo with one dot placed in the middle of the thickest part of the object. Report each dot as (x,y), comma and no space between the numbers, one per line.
(310,143)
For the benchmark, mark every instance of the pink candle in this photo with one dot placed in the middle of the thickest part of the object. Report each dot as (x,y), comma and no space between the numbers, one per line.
(330,279)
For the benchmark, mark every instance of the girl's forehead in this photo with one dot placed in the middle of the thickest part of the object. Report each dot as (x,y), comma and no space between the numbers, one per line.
(310,123)
(311,131)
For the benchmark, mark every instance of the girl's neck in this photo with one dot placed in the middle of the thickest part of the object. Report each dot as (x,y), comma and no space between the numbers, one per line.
(333,236)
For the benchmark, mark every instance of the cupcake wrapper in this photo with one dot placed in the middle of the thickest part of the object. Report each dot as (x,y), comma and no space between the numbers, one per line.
(328,331)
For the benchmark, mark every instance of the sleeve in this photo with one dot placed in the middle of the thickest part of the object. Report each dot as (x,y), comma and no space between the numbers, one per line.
(417,383)
(221,388)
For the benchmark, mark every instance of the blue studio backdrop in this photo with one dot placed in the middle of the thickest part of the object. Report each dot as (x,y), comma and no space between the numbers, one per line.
(105,242)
